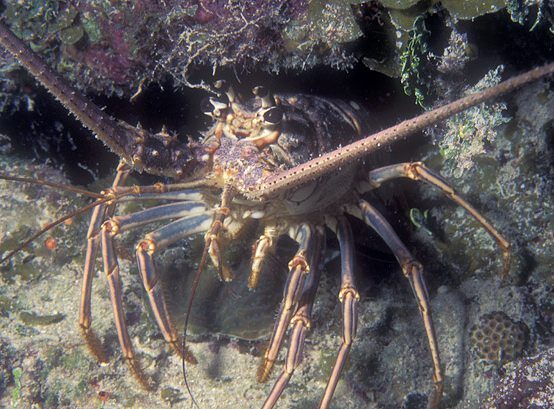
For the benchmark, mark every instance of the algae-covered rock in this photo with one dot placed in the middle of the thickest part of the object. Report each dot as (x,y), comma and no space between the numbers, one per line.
(467,10)
(529,384)
(114,47)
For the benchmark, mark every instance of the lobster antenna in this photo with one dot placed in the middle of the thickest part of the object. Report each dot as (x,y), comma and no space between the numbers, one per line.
(53,224)
(104,127)
(286,180)
(57,186)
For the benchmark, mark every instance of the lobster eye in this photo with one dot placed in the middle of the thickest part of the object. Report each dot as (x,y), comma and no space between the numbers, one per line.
(273,116)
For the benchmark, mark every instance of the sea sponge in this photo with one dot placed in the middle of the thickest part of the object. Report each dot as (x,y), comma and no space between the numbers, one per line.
(498,338)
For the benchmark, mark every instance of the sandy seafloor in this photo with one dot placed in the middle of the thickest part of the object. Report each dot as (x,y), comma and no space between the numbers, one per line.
(390,365)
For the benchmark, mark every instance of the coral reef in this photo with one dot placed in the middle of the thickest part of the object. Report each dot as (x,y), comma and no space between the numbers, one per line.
(529,385)
(497,155)
(6,361)
(497,338)
(114,47)
(468,133)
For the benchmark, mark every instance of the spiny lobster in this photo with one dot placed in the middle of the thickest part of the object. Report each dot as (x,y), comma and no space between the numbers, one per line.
(292,162)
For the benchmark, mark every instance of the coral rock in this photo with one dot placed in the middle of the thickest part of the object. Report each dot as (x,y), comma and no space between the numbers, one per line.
(529,385)
(497,338)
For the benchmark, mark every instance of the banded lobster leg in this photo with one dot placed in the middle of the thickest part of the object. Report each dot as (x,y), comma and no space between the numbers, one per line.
(192,217)
(298,270)
(259,252)
(213,236)
(413,271)
(418,171)
(98,216)
(300,323)
(410,267)
(349,297)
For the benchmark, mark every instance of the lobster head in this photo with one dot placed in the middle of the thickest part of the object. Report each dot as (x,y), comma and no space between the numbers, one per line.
(242,142)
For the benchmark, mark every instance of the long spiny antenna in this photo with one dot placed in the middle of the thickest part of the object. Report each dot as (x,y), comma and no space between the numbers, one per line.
(277,184)
(92,117)
(138,147)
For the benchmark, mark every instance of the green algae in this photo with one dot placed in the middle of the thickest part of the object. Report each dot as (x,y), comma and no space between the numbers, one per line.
(171,396)
(17,373)
(414,73)
(33,319)
(91,27)
(72,35)
(467,10)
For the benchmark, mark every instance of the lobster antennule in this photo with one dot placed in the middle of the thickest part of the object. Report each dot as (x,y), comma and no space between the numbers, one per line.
(212,234)
(144,150)
(53,224)
(57,186)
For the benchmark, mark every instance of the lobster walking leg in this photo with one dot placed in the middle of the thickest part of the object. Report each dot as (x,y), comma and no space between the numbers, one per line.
(145,250)
(192,218)
(184,195)
(298,269)
(413,271)
(111,268)
(259,252)
(99,215)
(93,241)
(418,171)
(300,324)
(349,297)
(213,236)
